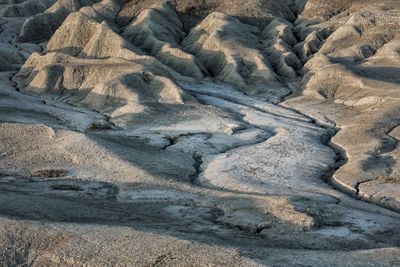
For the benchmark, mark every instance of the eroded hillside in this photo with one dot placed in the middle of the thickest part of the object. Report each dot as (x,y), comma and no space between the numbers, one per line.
(199,132)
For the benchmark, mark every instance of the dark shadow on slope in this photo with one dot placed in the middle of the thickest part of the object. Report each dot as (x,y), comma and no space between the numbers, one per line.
(378,73)
(242,73)
(25,9)
(192,12)
(39,28)
(74,201)
(10,114)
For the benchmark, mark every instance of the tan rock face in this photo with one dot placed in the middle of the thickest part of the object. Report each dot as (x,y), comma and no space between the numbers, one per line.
(239,133)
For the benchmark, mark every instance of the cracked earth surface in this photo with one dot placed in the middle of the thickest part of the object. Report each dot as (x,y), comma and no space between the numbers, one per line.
(131,135)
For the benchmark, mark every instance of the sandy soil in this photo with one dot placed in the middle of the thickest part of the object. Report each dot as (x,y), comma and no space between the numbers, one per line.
(163,133)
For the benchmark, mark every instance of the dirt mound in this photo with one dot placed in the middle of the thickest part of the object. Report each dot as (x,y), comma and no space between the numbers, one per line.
(255,12)
(159,31)
(350,49)
(90,63)
(230,51)
(42,26)
(112,86)
(26,8)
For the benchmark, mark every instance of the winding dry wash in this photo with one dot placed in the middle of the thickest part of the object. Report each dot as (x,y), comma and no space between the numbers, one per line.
(199,133)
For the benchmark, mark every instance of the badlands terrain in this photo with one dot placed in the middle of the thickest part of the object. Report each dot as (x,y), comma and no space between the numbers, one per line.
(199,132)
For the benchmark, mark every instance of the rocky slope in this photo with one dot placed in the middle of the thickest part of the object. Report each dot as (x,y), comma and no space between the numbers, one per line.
(199,133)
(351,82)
